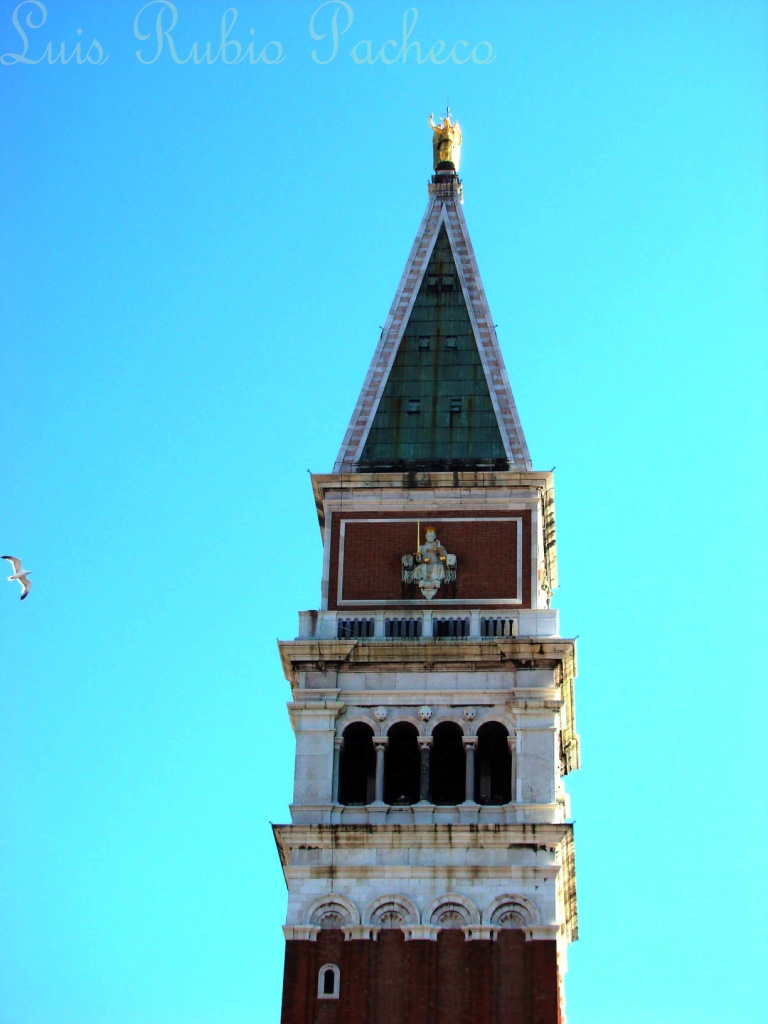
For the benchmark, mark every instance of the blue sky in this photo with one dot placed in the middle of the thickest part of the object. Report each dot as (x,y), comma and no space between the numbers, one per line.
(196,262)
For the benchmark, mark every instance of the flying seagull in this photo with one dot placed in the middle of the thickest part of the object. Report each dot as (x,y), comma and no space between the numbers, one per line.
(19,574)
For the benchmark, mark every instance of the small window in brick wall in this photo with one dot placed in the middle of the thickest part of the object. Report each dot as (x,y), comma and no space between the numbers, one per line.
(451,341)
(328,980)
(424,342)
(414,405)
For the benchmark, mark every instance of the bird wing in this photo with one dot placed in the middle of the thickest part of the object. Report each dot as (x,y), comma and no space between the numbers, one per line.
(26,586)
(15,562)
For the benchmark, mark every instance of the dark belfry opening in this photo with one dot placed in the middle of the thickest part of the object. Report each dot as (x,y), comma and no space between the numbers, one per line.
(402,763)
(447,765)
(329,982)
(357,765)
(493,765)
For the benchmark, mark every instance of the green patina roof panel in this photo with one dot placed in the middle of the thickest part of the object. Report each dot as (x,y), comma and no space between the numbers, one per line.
(436,377)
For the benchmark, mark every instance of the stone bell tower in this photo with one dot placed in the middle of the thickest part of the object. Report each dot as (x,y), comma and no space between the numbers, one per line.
(429,860)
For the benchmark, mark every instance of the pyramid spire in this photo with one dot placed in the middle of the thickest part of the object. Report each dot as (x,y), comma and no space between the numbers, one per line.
(437,395)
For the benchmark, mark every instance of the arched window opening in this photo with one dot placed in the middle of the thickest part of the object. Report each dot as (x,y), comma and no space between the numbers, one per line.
(402,763)
(447,765)
(328,979)
(493,765)
(357,765)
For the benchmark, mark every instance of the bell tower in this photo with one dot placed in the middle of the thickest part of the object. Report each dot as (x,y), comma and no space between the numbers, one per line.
(429,860)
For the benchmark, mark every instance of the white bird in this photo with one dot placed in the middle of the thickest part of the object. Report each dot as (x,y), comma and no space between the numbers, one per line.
(19,574)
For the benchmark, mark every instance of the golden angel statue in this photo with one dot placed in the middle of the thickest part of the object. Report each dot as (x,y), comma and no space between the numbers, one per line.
(446,143)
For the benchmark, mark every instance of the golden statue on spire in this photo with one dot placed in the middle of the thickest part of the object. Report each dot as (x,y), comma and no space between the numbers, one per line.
(446,143)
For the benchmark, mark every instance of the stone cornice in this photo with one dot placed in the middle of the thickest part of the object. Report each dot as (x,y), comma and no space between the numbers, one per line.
(537,838)
(434,656)
(479,487)
(515,698)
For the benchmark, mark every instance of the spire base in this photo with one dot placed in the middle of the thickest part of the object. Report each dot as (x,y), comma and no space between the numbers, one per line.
(446,185)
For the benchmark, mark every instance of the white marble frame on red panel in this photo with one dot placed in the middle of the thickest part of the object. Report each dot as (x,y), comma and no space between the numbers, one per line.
(443,601)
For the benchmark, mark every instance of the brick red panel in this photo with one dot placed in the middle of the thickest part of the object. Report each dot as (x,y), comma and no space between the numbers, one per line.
(485,544)
(391,981)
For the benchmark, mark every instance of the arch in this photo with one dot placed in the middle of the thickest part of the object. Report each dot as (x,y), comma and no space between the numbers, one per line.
(447,765)
(418,725)
(346,721)
(493,716)
(511,911)
(402,764)
(328,982)
(457,719)
(391,911)
(451,911)
(357,765)
(493,764)
(331,911)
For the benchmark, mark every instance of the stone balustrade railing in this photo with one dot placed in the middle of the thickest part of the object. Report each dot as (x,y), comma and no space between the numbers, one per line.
(429,624)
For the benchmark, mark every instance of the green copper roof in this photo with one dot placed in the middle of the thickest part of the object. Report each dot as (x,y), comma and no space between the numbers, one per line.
(436,409)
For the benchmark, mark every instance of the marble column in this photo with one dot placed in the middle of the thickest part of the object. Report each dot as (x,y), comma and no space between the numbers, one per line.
(470,746)
(379,745)
(512,743)
(425,742)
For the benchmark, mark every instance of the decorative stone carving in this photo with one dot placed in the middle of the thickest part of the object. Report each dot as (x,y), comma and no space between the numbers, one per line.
(330,918)
(392,912)
(508,917)
(425,713)
(511,911)
(470,714)
(452,911)
(430,567)
(449,916)
(332,912)
(380,714)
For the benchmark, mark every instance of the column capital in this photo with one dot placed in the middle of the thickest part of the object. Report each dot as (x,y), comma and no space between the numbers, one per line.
(424,741)
(380,742)
(470,742)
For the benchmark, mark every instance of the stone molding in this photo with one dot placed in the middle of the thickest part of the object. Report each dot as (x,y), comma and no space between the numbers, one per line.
(473,932)
(393,904)
(442,712)
(300,932)
(421,932)
(445,911)
(542,836)
(449,911)
(416,932)
(331,904)
(515,903)
(360,931)
(543,932)
(299,656)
